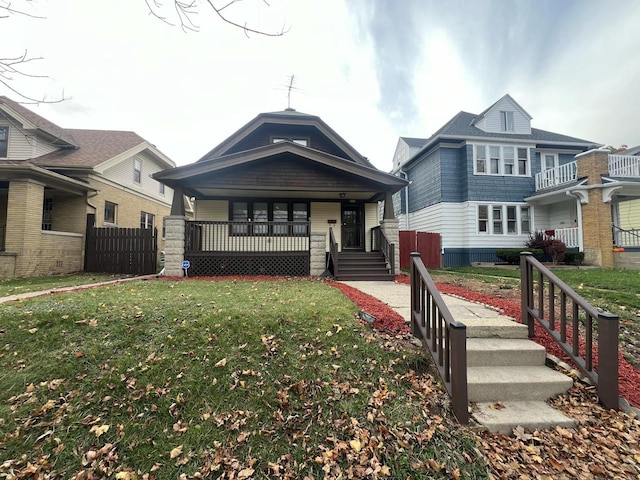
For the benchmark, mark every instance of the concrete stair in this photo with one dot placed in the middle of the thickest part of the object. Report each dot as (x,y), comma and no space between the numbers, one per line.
(508,381)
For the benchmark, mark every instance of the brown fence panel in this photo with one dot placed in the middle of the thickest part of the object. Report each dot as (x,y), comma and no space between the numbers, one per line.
(121,250)
(428,245)
(407,246)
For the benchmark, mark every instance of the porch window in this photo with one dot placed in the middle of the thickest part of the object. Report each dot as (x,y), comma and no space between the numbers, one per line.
(509,160)
(300,214)
(483,218)
(525,220)
(252,218)
(512,219)
(523,161)
(280,214)
(47,213)
(137,170)
(110,212)
(146,220)
(4,142)
(497,220)
(240,213)
(260,214)
(481,159)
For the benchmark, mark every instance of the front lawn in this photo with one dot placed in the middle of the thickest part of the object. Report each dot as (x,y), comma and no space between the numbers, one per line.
(16,286)
(232,379)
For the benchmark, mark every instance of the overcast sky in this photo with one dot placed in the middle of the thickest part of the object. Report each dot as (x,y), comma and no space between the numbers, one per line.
(372,70)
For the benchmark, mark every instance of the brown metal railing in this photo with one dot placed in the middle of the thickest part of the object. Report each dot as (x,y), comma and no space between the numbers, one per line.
(333,252)
(3,229)
(213,236)
(379,242)
(445,338)
(542,308)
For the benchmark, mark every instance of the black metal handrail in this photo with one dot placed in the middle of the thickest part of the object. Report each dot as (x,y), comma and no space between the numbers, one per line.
(3,230)
(445,338)
(379,242)
(543,310)
(245,236)
(626,238)
(333,252)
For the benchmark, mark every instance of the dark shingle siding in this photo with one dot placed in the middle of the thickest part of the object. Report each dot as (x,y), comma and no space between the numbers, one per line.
(426,188)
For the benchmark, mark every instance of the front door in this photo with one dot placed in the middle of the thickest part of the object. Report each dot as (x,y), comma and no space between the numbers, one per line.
(352,227)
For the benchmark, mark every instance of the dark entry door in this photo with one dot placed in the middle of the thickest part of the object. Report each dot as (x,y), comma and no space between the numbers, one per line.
(352,227)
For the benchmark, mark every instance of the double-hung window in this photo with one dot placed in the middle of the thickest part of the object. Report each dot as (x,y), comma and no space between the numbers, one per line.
(137,170)
(506,122)
(110,212)
(501,160)
(146,220)
(4,142)
(276,218)
(498,219)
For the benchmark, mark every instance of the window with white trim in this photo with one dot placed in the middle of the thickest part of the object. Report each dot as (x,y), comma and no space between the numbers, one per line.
(549,161)
(137,170)
(110,210)
(146,220)
(497,219)
(300,141)
(506,122)
(4,142)
(501,160)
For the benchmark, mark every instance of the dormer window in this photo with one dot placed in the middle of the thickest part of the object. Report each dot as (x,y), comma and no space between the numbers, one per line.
(506,121)
(300,141)
(4,142)
(137,170)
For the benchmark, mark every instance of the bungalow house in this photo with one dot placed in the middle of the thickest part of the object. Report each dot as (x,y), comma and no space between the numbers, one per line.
(283,195)
(52,178)
(485,182)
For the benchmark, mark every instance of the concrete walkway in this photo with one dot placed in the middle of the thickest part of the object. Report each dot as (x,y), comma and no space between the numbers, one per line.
(398,297)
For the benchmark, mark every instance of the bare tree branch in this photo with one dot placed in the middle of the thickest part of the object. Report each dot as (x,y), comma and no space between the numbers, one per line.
(185,11)
(6,6)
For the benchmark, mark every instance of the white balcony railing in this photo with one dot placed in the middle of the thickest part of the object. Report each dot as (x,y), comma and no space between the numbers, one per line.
(624,166)
(557,176)
(568,235)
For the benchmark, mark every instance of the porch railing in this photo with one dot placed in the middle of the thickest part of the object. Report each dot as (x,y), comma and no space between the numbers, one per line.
(557,176)
(379,242)
(445,338)
(569,236)
(3,231)
(333,252)
(624,166)
(575,315)
(214,236)
(626,238)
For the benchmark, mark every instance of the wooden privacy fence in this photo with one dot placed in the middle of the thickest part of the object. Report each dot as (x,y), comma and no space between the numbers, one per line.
(427,244)
(121,250)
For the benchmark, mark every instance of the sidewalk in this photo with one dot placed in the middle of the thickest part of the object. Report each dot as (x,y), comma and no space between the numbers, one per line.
(398,297)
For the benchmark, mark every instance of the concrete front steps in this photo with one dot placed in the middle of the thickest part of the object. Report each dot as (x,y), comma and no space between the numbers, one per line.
(507,379)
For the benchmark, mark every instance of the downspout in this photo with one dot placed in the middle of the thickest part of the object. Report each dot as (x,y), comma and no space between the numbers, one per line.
(405,176)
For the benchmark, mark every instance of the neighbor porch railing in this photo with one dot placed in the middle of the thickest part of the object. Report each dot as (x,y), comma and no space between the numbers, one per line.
(445,338)
(626,238)
(333,252)
(3,230)
(570,236)
(624,166)
(379,242)
(557,176)
(576,314)
(214,236)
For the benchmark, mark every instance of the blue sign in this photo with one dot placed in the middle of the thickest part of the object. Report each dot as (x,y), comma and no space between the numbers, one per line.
(186,264)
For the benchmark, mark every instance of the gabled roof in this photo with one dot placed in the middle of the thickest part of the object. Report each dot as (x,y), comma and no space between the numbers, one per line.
(461,127)
(96,147)
(286,117)
(414,142)
(505,97)
(32,121)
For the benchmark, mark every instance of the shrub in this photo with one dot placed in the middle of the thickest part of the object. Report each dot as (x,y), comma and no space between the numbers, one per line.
(574,258)
(556,249)
(512,255)
(537,240)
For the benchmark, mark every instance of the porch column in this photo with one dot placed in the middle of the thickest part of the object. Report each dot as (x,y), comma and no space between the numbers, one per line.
(596,215)
(174,245)
(318,254)
(24,225)
(390,229)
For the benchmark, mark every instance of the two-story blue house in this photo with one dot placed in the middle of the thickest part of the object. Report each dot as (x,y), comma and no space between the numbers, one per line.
(482,181)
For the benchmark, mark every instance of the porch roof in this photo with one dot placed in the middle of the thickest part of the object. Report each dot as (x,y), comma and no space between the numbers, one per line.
(26,171)
(283,169)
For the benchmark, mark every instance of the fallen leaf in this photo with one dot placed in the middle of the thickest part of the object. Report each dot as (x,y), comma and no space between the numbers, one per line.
(221,363)
(176,452)
(356,445)
(99,430)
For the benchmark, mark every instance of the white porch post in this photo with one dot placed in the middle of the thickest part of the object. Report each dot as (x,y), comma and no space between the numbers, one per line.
(174,245)
(318,253)
(579,213)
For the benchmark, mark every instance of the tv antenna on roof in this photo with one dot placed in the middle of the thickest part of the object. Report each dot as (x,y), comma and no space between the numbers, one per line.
(289,88)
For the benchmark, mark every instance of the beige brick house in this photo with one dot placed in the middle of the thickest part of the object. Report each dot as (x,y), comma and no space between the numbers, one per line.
(51,178)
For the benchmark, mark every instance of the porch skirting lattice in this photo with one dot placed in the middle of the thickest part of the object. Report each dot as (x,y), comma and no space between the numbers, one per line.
(248,263)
